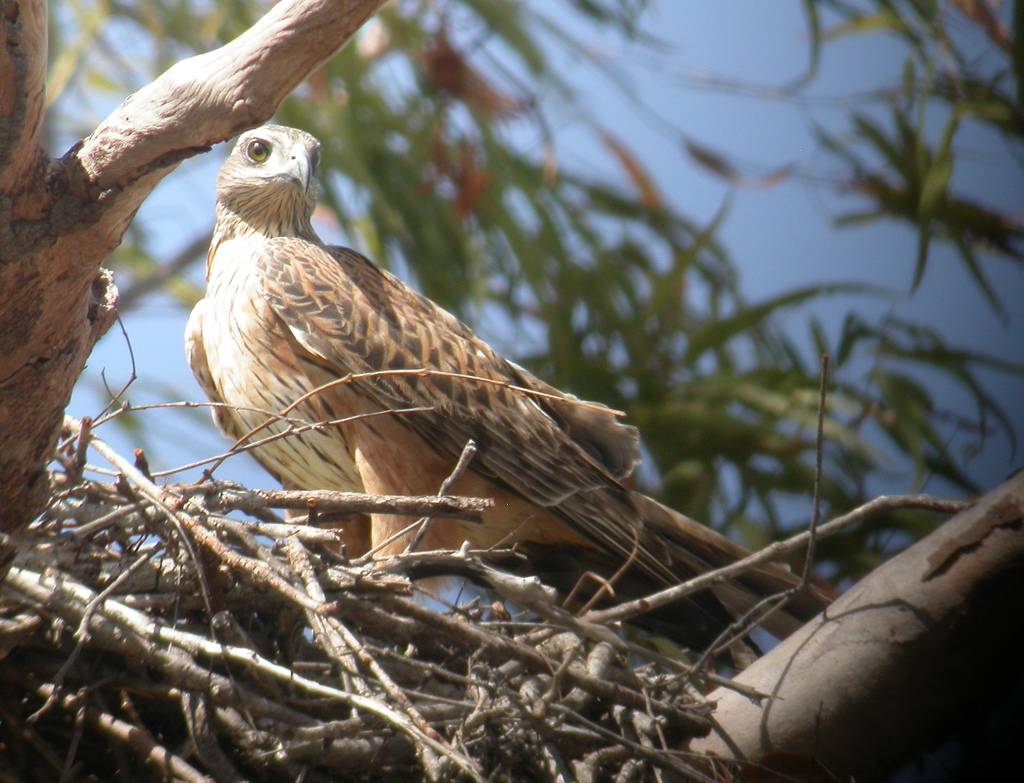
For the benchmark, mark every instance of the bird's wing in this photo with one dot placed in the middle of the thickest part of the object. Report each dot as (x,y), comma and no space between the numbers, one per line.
(195,353)
(437,340)
(354,318)
(592,425)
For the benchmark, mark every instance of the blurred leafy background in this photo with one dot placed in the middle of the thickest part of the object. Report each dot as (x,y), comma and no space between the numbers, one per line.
(672,208)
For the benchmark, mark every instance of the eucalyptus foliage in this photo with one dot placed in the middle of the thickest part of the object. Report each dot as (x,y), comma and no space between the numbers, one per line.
(439,163)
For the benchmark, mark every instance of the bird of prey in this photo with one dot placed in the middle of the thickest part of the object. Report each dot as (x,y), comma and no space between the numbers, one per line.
(292,330)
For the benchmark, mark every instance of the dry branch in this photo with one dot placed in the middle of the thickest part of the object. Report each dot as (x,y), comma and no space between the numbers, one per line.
(143,622)
(177,643)
(922,639)
(469,509)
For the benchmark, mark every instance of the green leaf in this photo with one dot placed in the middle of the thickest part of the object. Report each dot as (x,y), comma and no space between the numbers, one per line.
(715,333)
(974,268)
(886,20)
(936,179)
(894,154)
(924,239)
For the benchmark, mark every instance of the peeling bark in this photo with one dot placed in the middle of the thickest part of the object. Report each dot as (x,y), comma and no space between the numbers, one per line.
(916,644)
(61,218)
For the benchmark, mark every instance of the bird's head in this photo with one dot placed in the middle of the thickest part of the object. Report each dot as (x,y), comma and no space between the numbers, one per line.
(269,181)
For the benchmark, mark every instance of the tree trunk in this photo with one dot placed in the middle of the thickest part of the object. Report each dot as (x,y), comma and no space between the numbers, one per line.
(61,218)
(920,642)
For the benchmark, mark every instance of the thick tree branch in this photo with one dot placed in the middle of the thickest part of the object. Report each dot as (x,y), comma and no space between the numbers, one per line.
(22,88)
(60,219)
(211,97)
(916,643)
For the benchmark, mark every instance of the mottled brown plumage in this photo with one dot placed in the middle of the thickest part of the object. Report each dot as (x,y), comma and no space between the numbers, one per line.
(285,316)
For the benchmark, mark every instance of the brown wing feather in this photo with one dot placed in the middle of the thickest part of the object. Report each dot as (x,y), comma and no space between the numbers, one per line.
(592,426)
(355,318)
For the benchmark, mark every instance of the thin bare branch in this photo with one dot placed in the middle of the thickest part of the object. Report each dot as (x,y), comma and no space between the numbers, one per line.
(777,551)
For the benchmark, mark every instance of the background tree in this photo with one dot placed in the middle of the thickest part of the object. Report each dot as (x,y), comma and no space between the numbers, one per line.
(452,132)
(446,159)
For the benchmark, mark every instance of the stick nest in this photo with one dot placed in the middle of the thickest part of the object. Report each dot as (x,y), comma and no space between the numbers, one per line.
(188,632)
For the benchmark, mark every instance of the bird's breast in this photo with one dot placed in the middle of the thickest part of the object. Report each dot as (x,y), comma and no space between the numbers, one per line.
(270,398)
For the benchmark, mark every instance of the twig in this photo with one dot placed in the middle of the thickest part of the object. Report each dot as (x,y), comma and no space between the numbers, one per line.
(306,640)
(327,635)
(254,568)
(500,649)
(41,589)
(738,629)
(141,743)
(82,634)
(84,429)
(226,496)
(776,551)
(243,444)
(423,372)
(608,585)
(467,765)
(196,712)
(819,449)
(460,467)
(280,530)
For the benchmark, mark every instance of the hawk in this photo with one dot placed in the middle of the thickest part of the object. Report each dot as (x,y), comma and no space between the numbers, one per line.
(286,318)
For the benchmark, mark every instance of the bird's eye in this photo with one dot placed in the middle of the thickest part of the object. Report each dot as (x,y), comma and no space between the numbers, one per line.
(316,160)
(258,151)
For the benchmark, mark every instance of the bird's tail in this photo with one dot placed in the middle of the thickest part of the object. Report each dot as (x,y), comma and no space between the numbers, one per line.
(695,549)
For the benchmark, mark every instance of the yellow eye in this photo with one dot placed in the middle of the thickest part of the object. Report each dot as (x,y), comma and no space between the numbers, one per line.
(258,151)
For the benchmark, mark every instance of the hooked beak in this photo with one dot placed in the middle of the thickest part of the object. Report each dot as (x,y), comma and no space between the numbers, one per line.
(300,171)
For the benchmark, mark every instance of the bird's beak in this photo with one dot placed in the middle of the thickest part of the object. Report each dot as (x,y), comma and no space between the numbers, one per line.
(300,170)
